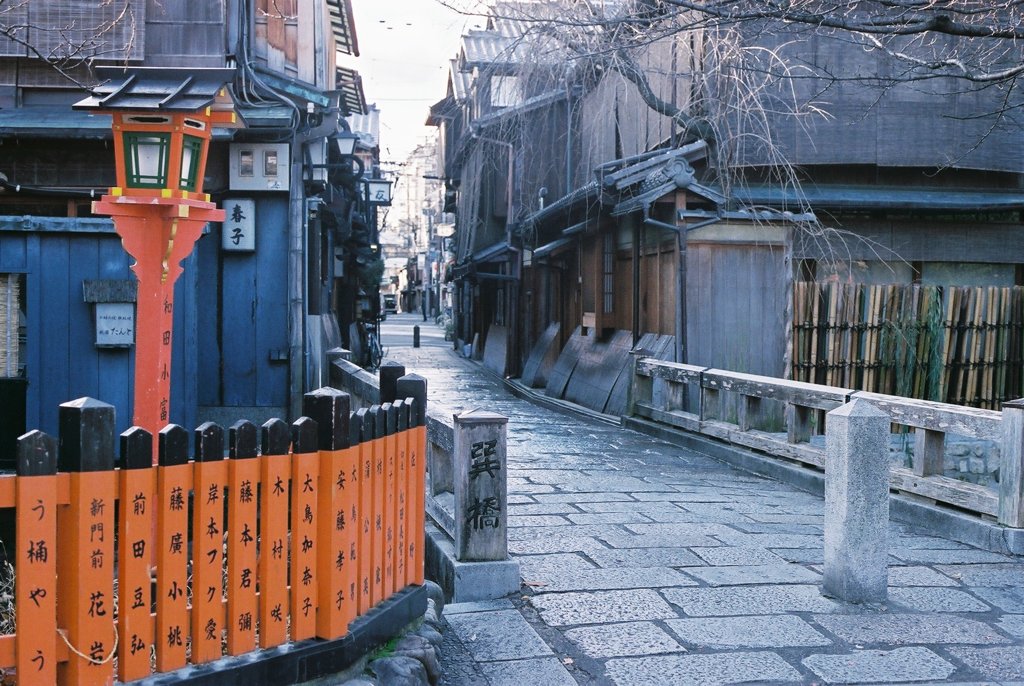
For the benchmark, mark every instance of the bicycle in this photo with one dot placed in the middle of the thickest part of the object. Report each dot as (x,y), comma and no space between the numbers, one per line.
(373,353)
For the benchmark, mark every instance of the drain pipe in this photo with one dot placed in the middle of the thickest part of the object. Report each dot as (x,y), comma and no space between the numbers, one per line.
(680,232)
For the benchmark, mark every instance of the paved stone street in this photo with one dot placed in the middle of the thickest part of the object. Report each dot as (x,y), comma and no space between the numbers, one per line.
(644,563)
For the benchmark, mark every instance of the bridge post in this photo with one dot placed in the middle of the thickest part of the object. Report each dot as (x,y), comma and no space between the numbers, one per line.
(857,503)
(1011,468)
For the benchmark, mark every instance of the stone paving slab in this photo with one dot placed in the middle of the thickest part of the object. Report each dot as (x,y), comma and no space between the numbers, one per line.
(968,556)
(622,640)
(645,557)
(1005,598)
(679,540)
(541,509)
(773,631)
(722,556)
(601,607)
(1013,625)
(701,670)
(920,599)
(1003,663)
(610,518)
(870,666)
(758,574)
(553,544)
(908,629)
(615,579)
(577,498)
(918,576)
(500,635)
(767,600)
(985,574)
(542,567)
(548,671)
(771,541)
(680,529)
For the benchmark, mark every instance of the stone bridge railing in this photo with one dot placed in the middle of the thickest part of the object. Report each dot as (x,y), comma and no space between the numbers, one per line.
(744,409)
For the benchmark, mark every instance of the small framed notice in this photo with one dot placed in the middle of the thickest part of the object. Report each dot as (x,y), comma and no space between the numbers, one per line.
(239,229)
(115,325)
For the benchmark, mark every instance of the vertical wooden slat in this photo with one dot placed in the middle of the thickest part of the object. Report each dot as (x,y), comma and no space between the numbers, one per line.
(377,417)
(173,483)
(414,388)
(391,423)
(401,491)
(210,481)
(85,535)
(36,536)
(273,564)
(336,570)
(243,478)
(305,473)
(137,488)
(362,424)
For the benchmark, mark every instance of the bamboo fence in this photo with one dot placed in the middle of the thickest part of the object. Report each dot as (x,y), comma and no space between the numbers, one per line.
(955,344)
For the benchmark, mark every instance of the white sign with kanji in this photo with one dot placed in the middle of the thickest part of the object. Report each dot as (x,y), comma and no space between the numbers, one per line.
(238,232)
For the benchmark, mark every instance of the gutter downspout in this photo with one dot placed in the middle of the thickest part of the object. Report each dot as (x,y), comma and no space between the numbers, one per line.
(680,232)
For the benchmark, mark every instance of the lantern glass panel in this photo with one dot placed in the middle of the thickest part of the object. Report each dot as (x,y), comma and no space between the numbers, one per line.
(146,159)
(191,152)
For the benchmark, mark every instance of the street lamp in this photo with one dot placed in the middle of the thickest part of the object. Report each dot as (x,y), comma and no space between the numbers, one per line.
(162,120)
(378,191)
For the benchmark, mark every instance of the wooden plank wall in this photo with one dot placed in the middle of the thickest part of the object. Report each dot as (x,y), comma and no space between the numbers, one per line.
(243,317)
(62,360)
(736,303)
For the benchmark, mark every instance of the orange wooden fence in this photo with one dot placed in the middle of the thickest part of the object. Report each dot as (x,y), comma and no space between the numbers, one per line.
(293,535)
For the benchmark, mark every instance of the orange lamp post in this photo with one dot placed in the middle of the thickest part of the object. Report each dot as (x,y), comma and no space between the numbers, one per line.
(162,123)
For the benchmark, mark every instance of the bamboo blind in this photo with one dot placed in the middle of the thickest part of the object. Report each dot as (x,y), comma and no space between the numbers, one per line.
(953,344)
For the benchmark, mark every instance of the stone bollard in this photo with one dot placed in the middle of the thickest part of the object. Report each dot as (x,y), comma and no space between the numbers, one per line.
(857,503)
(481,486)
(1011,468)
(416,336)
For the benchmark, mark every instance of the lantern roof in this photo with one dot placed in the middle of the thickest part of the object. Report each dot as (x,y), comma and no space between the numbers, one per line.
(156,89)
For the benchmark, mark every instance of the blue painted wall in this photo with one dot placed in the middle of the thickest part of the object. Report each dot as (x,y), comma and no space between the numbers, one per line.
(62,361)
(243,314)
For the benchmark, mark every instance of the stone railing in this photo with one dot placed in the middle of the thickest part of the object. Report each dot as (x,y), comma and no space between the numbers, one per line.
(662,392)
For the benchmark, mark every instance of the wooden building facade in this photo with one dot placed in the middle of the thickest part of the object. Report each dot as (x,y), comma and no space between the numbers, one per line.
(254,319)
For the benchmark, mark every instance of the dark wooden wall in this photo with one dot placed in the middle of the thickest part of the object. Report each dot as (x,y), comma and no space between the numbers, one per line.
(736,300)
(62,360)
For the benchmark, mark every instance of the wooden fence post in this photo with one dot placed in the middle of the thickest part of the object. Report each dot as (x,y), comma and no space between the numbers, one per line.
(273,566)
(481,483)
(305,475)
(390,413)
(362,435)
(389,374)
(85,535)
(336,567)
(413,388)
(1011,467)
(402,491)
(36,536)
(379,422)
(137,486)
(174,480)
(210,483)
(243,478)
